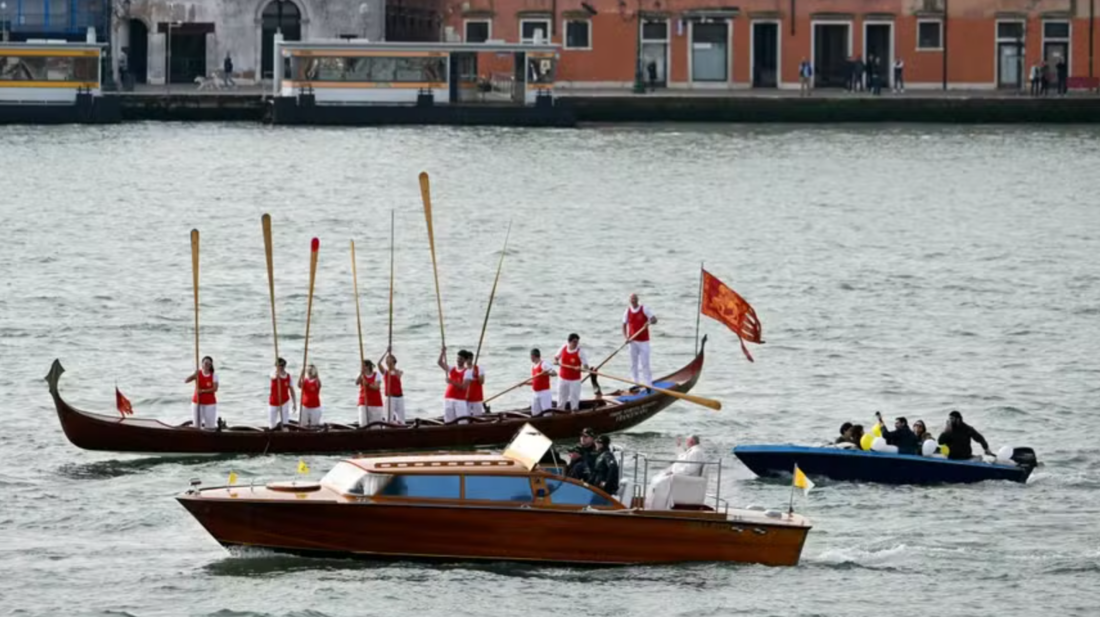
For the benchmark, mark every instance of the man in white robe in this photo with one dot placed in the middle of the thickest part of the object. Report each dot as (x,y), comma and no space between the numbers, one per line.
(688,465)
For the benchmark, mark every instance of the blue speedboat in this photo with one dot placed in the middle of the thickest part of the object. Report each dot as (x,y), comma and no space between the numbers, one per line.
(867,466)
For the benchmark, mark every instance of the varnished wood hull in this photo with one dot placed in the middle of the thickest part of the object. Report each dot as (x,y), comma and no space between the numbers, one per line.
(111,433)
(415,531)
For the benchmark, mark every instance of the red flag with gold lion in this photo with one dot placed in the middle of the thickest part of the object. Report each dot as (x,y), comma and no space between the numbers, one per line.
(721,303)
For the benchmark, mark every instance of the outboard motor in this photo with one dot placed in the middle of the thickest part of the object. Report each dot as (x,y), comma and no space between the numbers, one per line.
(1024,457)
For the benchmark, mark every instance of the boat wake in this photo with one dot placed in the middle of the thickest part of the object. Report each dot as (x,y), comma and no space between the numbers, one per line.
(101,470)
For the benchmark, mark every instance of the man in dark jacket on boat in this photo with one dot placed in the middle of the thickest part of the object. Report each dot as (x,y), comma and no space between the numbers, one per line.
(606,473)
(902,436)
(587,448)
(957,438)
(578,467)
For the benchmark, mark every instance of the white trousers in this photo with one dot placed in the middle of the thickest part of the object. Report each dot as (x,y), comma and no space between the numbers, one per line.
(277,414)
(541,400)
(310,416)
(452,409)
(475,409)
(395,407)
(371,414)
(639,362)
(569,391)
(204,416)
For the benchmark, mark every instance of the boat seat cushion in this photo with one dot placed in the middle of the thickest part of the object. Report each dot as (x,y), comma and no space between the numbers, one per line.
(637,395)
(688,490)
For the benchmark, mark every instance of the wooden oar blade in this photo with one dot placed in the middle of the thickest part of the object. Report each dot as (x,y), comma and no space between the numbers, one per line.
(698,400)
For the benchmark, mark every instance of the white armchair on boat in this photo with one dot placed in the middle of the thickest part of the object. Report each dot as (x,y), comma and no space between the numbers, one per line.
(688,490)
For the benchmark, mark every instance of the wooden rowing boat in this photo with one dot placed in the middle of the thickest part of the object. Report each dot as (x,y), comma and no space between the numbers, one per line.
(613,412)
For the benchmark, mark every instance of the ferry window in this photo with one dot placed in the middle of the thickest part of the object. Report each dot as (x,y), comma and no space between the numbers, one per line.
(439,487)
(384,69)
(930,34)
(532,29)
(578,34)
(498,488)
(564,493)
(540,69)
(46,68)
(478,30)
(1056,30)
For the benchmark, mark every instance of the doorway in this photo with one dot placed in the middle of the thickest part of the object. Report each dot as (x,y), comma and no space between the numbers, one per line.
(832,47)
(878,51)
(710,51)
(278,16)
(1009,65)
(186,57)
(655,50)
(765,55)
(1053,52)
(137,56)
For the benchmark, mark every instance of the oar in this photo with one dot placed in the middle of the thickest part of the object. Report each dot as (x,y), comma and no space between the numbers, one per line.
(698,400)
(313,247)
(195,284)
(426,196)
(492,294)
(266,219)
(509,389)
(358,320)
(390,339)
(599,366)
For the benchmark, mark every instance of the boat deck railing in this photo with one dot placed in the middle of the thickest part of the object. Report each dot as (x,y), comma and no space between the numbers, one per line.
(641,462)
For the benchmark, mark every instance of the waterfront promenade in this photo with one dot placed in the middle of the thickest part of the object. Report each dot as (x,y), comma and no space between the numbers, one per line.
(252,103)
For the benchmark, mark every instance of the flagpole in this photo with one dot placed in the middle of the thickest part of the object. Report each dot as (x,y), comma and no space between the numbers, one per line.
(790,508)
(699,308)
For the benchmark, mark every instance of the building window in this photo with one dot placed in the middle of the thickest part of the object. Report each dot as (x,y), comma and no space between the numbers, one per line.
(530,29)
(1010,30)
(578,34)
(656,31)
(930,35)
(478,30)
(1056,29)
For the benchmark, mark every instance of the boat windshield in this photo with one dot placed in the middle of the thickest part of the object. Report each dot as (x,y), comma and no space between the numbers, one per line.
(348,479)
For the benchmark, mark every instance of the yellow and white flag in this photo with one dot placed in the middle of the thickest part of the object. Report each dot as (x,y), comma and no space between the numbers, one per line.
(801,481)
(302,467)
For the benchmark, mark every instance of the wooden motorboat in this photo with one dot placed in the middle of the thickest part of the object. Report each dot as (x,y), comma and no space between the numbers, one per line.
(868,466)
(483,506)
(615,411)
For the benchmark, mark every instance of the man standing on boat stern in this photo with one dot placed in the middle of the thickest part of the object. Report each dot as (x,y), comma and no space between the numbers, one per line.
(454,399)
(204,402)
(282,396)
(541,370)
(570,360)
(370,395)
(475,395)
(636,324)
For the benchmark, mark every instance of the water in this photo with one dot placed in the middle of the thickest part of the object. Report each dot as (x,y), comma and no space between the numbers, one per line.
(912,270)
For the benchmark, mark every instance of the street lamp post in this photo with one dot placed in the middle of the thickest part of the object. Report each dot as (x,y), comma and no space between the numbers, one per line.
(364,14)
(4,20)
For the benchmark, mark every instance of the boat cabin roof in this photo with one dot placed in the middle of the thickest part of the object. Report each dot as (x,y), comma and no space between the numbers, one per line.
(476,463)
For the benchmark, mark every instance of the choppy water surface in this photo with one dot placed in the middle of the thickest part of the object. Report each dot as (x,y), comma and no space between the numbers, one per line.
(911,270)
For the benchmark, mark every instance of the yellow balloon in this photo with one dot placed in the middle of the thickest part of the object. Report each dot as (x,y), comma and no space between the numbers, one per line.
(944,450)
(876,430)
(866,441)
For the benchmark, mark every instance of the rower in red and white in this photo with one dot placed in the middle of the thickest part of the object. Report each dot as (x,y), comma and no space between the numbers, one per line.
(282,396)
(475,394)
(571,358)
(635,319)
(395,396)
(454,399)
(370,395)
(204,401)
(541,370)
(310,385)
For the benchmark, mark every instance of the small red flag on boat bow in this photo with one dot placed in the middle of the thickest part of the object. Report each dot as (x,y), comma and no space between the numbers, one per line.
(123,403)
(723,304)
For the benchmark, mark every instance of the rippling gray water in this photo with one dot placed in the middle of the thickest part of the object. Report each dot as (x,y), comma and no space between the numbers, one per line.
(911,270)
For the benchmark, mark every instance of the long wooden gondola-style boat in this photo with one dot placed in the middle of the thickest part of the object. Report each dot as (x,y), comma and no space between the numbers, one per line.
(615,411)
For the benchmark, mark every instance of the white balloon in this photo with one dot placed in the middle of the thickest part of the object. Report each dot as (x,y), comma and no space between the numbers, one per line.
(880,445)
(929,447)
(1004,455)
